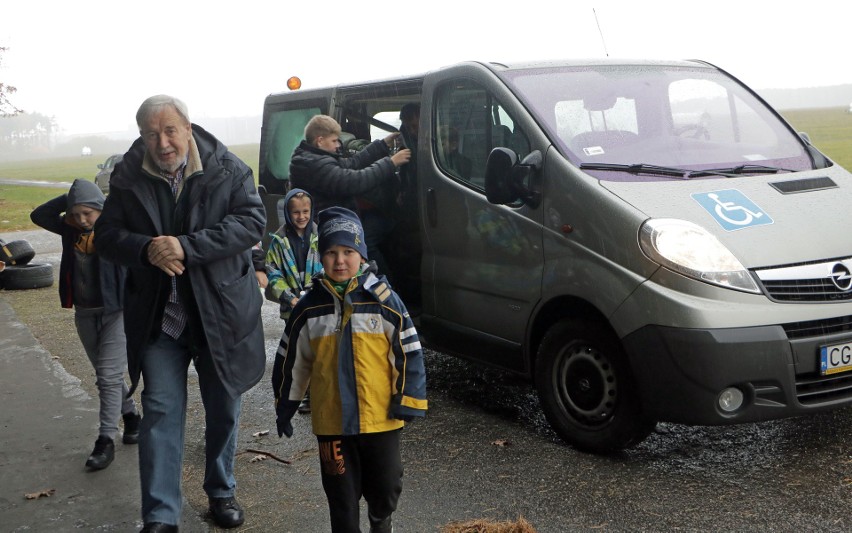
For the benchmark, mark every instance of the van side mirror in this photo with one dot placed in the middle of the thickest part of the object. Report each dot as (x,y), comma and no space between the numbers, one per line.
(820,159)
(507,180)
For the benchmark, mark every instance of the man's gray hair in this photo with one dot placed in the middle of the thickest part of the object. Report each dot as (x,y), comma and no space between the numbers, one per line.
(155,102)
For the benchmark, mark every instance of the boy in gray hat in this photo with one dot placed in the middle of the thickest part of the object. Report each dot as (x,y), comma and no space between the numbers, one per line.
(351,340)
(93,287)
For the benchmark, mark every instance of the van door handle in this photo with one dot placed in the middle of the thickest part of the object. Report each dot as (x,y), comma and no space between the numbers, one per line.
(431,207)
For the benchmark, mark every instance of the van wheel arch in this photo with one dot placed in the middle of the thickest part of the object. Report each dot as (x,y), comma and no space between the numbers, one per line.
(587,389)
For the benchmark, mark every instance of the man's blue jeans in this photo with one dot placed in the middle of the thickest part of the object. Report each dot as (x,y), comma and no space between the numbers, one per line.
(165,363)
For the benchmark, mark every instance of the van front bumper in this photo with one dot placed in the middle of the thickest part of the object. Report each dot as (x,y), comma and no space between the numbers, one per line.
(682,371)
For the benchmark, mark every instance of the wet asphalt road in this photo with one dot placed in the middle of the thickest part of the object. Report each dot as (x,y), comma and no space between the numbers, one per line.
(485,450)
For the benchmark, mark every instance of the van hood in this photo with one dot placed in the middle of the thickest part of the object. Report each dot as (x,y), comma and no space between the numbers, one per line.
(767,220)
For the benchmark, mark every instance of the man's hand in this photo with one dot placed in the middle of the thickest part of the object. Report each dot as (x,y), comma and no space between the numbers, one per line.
(166,253)
(391,139)
(262,279)
(402,157)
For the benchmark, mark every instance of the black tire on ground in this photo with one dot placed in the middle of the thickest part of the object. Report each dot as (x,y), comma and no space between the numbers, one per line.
(16,252)
(31,276)
(587,389)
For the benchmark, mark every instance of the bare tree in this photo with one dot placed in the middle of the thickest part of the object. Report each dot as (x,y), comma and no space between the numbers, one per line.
(7,108)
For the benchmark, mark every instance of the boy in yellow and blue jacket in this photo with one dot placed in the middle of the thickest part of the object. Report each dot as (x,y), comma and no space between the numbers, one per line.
(351,340)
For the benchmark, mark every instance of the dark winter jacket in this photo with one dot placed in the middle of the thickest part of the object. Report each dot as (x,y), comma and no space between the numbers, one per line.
(333,180)
(52,216)
(217,218)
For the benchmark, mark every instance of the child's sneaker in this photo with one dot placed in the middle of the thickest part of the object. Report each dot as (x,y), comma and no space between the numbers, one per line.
(381,526)
(102,455)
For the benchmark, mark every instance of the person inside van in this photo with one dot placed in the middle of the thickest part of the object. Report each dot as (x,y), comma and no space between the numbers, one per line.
(318,167)
(457,164)
(409,117)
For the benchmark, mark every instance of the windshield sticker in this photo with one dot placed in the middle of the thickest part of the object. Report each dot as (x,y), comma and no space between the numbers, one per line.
(732,209)
(593,150)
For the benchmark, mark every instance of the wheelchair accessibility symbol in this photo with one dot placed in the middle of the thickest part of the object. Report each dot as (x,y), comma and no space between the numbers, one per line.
(732,209)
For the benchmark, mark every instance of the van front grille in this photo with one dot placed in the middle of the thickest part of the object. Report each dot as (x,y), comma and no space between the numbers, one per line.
(813,389)
(816,328)
(799,290)
(826,281)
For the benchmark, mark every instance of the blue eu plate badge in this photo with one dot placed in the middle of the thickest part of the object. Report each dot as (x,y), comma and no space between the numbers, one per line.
(732,209)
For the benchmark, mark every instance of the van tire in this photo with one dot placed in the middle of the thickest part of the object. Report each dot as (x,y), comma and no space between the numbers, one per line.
(587,389)
(30,276)
(16,252)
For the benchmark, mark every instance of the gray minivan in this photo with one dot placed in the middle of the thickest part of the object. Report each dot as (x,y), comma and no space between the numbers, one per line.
(646,240)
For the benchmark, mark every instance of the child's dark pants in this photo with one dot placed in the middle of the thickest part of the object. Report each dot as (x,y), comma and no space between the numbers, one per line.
(368,464)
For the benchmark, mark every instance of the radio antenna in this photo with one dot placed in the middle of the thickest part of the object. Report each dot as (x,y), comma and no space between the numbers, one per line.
(599,31)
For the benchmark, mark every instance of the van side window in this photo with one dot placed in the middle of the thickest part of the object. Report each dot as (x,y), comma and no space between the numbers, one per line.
(287,128)
(469,123)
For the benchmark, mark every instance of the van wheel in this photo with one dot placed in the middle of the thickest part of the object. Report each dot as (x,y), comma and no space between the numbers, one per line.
(30,276)
(587,389)
(16,252)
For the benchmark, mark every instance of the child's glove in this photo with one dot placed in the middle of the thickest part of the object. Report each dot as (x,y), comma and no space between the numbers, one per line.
(284,426)
(284,411)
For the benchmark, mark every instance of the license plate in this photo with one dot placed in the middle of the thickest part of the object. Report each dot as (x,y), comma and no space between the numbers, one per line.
(835,358)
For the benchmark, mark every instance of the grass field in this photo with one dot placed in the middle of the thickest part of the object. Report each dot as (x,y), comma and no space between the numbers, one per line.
(830,130)
(17,201)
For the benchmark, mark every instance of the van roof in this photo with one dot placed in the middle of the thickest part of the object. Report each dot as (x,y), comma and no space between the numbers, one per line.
(498,67)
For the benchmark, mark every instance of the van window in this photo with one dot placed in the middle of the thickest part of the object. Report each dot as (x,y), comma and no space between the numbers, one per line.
(574,117)
(674,117)
(390,118)
(469,123)
(287,131)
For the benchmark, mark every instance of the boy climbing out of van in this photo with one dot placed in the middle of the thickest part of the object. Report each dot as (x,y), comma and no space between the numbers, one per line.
(351,340)
(293,259)
(93,287)
(319,167)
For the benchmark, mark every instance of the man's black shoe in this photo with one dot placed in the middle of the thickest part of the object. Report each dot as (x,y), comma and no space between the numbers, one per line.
(102,455)
(226,512)
(131,428)
(159,527)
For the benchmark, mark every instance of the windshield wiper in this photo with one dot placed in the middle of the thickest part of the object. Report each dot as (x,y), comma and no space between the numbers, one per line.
(743,169)
(645,168)
(638,168)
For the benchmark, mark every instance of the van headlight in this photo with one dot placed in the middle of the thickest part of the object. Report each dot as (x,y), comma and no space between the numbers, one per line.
(689,249)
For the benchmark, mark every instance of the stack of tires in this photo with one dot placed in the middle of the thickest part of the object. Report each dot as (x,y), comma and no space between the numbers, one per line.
(20,273)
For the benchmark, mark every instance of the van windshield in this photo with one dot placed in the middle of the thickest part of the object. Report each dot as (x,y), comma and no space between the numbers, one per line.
(609,119)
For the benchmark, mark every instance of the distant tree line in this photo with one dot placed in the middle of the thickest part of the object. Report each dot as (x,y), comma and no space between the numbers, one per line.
(30,133)
(7,108)
(22,132)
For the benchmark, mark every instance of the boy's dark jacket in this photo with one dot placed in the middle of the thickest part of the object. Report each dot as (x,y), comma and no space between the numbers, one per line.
(218,218)
(52,216)
(334,180)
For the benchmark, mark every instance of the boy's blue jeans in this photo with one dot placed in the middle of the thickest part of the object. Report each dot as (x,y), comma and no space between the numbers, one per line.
(165,364)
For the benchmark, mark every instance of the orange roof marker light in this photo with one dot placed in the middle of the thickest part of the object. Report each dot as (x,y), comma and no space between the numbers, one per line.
(294,83)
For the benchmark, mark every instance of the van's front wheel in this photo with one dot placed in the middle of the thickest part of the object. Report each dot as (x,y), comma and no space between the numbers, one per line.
(587,390)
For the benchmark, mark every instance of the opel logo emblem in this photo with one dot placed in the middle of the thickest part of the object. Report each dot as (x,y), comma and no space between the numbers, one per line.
(841,277)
